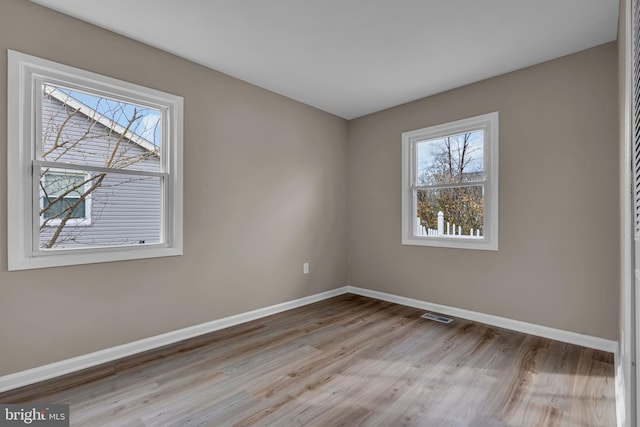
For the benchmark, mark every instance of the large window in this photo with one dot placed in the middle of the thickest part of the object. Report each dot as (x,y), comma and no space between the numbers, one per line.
(94,167)
(450,184)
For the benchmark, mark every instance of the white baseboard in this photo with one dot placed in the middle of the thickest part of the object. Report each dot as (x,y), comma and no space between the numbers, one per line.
(501,322)
(52,370)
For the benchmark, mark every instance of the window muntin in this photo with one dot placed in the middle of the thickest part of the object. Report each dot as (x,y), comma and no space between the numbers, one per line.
(450,184)
(104,164)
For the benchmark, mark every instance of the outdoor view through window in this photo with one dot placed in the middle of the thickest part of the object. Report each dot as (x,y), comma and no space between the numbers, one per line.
(450,185)
(100,175)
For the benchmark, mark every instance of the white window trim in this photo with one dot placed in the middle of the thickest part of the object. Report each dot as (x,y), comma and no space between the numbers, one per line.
(23,71)
(487,122)
(74,222)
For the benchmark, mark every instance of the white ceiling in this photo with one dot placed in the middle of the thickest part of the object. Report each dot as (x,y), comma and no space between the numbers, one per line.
(354,57)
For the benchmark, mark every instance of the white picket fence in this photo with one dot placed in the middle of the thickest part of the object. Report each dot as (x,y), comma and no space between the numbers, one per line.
(445,229)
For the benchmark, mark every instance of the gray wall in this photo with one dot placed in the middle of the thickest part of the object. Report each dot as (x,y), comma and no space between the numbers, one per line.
(266,186)
(264,191)
(558,259)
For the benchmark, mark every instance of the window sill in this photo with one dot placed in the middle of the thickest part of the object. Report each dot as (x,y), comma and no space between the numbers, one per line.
(458,242)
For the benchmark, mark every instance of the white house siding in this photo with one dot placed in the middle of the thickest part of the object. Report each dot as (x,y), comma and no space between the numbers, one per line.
(125,209)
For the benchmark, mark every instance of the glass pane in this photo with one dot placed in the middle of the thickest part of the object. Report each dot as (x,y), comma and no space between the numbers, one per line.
(450,212)
(67,184)
(450,160)
(86,129)
(58,208)
(119,210)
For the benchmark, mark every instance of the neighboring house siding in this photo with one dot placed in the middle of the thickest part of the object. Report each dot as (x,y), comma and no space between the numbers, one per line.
(124,209)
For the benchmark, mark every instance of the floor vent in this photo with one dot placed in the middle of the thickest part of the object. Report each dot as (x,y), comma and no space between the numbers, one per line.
(437,318)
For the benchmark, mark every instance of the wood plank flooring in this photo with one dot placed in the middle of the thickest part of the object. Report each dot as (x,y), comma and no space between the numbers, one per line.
(346,361)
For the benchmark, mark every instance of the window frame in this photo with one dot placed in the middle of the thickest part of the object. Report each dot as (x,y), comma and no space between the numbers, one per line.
(25,75)
(489,123)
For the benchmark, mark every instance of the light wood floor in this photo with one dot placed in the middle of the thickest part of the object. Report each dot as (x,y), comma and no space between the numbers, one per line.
(347,361)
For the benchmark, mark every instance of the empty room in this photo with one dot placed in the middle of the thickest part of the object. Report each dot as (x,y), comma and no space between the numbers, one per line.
(319,213)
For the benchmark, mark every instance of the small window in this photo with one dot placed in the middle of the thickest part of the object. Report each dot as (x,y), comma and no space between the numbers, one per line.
(63,193)
(450,184)
(94,167)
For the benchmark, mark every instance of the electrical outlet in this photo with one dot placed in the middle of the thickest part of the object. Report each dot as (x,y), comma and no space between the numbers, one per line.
(305,268)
